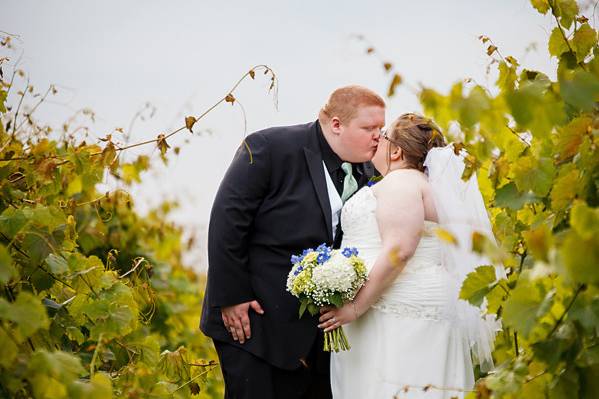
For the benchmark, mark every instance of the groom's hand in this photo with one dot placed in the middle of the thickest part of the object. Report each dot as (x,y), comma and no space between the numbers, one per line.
(237,321)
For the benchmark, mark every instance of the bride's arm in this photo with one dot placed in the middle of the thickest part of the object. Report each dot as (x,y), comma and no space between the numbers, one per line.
(400,217)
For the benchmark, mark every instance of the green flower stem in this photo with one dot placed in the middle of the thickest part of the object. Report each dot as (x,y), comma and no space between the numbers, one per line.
(336,341)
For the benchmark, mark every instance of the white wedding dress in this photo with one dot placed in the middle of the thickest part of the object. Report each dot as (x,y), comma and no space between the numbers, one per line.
(407,345)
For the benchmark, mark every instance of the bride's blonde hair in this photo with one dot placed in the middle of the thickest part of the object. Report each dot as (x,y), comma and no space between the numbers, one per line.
(415,135)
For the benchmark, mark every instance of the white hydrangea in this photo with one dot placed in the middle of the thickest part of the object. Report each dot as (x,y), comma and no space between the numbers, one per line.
(335,275)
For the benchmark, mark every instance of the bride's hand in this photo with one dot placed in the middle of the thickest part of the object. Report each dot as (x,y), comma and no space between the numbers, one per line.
(332,318)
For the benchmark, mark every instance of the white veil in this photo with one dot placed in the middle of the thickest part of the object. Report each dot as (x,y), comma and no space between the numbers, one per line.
(461,212)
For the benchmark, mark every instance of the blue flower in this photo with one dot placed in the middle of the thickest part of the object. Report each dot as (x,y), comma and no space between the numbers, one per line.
(296,259)
(374,180)
(323,248)
(323,257)
(349,252)
(298,271)
(324,253)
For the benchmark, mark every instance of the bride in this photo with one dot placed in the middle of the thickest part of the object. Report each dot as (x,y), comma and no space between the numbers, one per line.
(411,337)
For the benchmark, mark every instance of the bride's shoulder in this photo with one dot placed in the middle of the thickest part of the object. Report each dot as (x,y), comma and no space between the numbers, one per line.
(403,179)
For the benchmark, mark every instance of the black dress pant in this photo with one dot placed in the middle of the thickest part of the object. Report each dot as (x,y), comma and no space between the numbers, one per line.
(250,377)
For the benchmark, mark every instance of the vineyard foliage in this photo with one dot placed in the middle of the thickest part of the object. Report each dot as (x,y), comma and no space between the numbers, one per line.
(96,301)
(533,142)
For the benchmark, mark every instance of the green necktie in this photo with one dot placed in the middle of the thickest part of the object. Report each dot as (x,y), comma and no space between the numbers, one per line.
(350,185)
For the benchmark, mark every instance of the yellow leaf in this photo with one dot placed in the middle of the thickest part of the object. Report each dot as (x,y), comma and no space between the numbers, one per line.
(189,122)
(564,191)
(538,241)
(511,60)
(229,98)
(569,138)
(75,186)
(396,81)
(162,144)
(491,49)
(446,236)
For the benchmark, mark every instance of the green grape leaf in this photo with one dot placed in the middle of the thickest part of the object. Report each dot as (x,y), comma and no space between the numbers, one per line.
(581,258)
(524,101)
(508,196)
(585,220)
(62,366)
(98,387)
(586,311)
(27,312)
(149,349)
(507,78)
(57,264)
(580,91)
(12,221)
(496,297)
(478,284)
(473,106)
(567,11)
(7,270)
(534,175)
(557,43)
(583,41)
(114,312)
(175,365)
(521,310)
(542,6)
(8,349)
(47,216)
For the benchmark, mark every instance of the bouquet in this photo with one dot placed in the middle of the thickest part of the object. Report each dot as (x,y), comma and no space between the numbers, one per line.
(324,277)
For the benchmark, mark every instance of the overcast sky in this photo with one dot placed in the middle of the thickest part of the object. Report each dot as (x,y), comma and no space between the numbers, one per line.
(182,56)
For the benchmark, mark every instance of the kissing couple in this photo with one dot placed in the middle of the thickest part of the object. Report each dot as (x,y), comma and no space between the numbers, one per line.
(295,187)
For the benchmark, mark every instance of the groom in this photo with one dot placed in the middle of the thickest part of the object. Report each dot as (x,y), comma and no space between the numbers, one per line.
(282,196)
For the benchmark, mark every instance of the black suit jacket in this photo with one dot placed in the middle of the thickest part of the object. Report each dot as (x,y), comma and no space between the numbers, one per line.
(271,204)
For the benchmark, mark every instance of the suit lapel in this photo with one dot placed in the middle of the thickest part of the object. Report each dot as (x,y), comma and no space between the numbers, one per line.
(316,170)
(314,161)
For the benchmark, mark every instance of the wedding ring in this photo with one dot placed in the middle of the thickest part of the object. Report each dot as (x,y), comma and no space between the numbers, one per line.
(333,319)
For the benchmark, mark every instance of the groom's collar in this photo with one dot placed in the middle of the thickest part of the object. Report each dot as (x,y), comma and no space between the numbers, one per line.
(330,158)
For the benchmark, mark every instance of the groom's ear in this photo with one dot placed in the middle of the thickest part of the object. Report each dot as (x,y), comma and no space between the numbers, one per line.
(335,125)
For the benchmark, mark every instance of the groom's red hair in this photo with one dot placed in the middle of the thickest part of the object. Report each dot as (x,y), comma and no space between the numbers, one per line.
(344,102)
